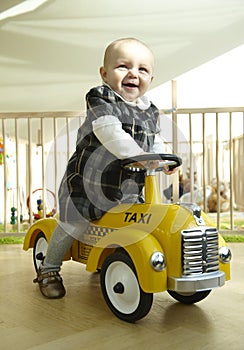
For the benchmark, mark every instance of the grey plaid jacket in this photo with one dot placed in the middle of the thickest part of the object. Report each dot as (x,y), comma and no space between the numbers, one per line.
(94,180)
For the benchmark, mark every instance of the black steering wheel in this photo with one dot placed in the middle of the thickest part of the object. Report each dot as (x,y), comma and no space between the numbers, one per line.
(142,162)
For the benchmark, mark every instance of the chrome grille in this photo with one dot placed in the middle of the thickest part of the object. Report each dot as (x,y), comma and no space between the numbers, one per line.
(199,251)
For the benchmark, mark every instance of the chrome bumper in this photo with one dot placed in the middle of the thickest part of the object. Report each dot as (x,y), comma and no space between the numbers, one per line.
(197,283)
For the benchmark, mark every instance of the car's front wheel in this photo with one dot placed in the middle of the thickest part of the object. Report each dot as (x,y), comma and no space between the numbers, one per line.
(189,298)
(39,250)
(121,289)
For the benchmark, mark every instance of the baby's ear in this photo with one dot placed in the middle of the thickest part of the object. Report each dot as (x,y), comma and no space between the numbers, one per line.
(103,73)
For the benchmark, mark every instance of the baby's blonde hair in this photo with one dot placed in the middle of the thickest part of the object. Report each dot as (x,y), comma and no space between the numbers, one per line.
(114,43)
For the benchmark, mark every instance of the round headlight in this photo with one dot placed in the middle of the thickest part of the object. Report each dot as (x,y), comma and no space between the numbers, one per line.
(157,261)
(225,254)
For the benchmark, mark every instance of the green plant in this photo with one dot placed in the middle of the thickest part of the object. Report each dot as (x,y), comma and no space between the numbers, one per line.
(234,238)
(11,240)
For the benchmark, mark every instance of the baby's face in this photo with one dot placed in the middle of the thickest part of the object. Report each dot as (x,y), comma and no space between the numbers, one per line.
(129,70)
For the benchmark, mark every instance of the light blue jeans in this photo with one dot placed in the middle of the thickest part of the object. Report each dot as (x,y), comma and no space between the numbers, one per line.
(64,236)
(61,241)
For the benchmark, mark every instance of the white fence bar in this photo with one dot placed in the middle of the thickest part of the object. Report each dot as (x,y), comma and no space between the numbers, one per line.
(4,191)
(17,172)
(231,172)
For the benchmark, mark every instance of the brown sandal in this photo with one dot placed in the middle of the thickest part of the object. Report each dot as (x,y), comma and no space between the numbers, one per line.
(50,284)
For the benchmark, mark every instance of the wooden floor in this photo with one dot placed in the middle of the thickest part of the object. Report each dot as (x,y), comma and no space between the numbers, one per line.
(82,319)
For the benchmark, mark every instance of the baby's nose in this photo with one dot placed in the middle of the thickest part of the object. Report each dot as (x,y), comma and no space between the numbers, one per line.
(133,72)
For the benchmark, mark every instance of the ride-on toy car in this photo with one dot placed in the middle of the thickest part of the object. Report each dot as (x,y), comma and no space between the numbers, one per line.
(144,248)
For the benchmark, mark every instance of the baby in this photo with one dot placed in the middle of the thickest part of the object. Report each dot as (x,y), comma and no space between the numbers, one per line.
(121,123)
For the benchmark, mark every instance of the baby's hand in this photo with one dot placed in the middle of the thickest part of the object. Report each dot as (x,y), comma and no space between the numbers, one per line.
(170,172)
(150,164)
(154,164)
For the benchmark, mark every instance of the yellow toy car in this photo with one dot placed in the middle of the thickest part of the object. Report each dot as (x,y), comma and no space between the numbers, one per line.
(144,248)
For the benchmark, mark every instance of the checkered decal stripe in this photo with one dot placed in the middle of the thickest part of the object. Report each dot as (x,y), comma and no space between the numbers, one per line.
(99,230)
(89,238)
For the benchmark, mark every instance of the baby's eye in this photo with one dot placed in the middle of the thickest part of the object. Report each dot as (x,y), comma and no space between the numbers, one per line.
(123,66)
(143,69)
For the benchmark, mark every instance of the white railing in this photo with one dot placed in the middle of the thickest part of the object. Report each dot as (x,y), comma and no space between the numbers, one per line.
(34,153)
(35,148)
(211,143)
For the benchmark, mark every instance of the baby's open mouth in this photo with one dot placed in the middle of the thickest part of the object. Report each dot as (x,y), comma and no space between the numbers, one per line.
(130,85)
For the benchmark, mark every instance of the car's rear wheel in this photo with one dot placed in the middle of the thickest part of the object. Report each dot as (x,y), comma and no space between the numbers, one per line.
(189,298)
(39,249)
(121,289)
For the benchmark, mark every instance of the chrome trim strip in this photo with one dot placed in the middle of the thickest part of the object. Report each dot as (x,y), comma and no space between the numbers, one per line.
(195,284)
